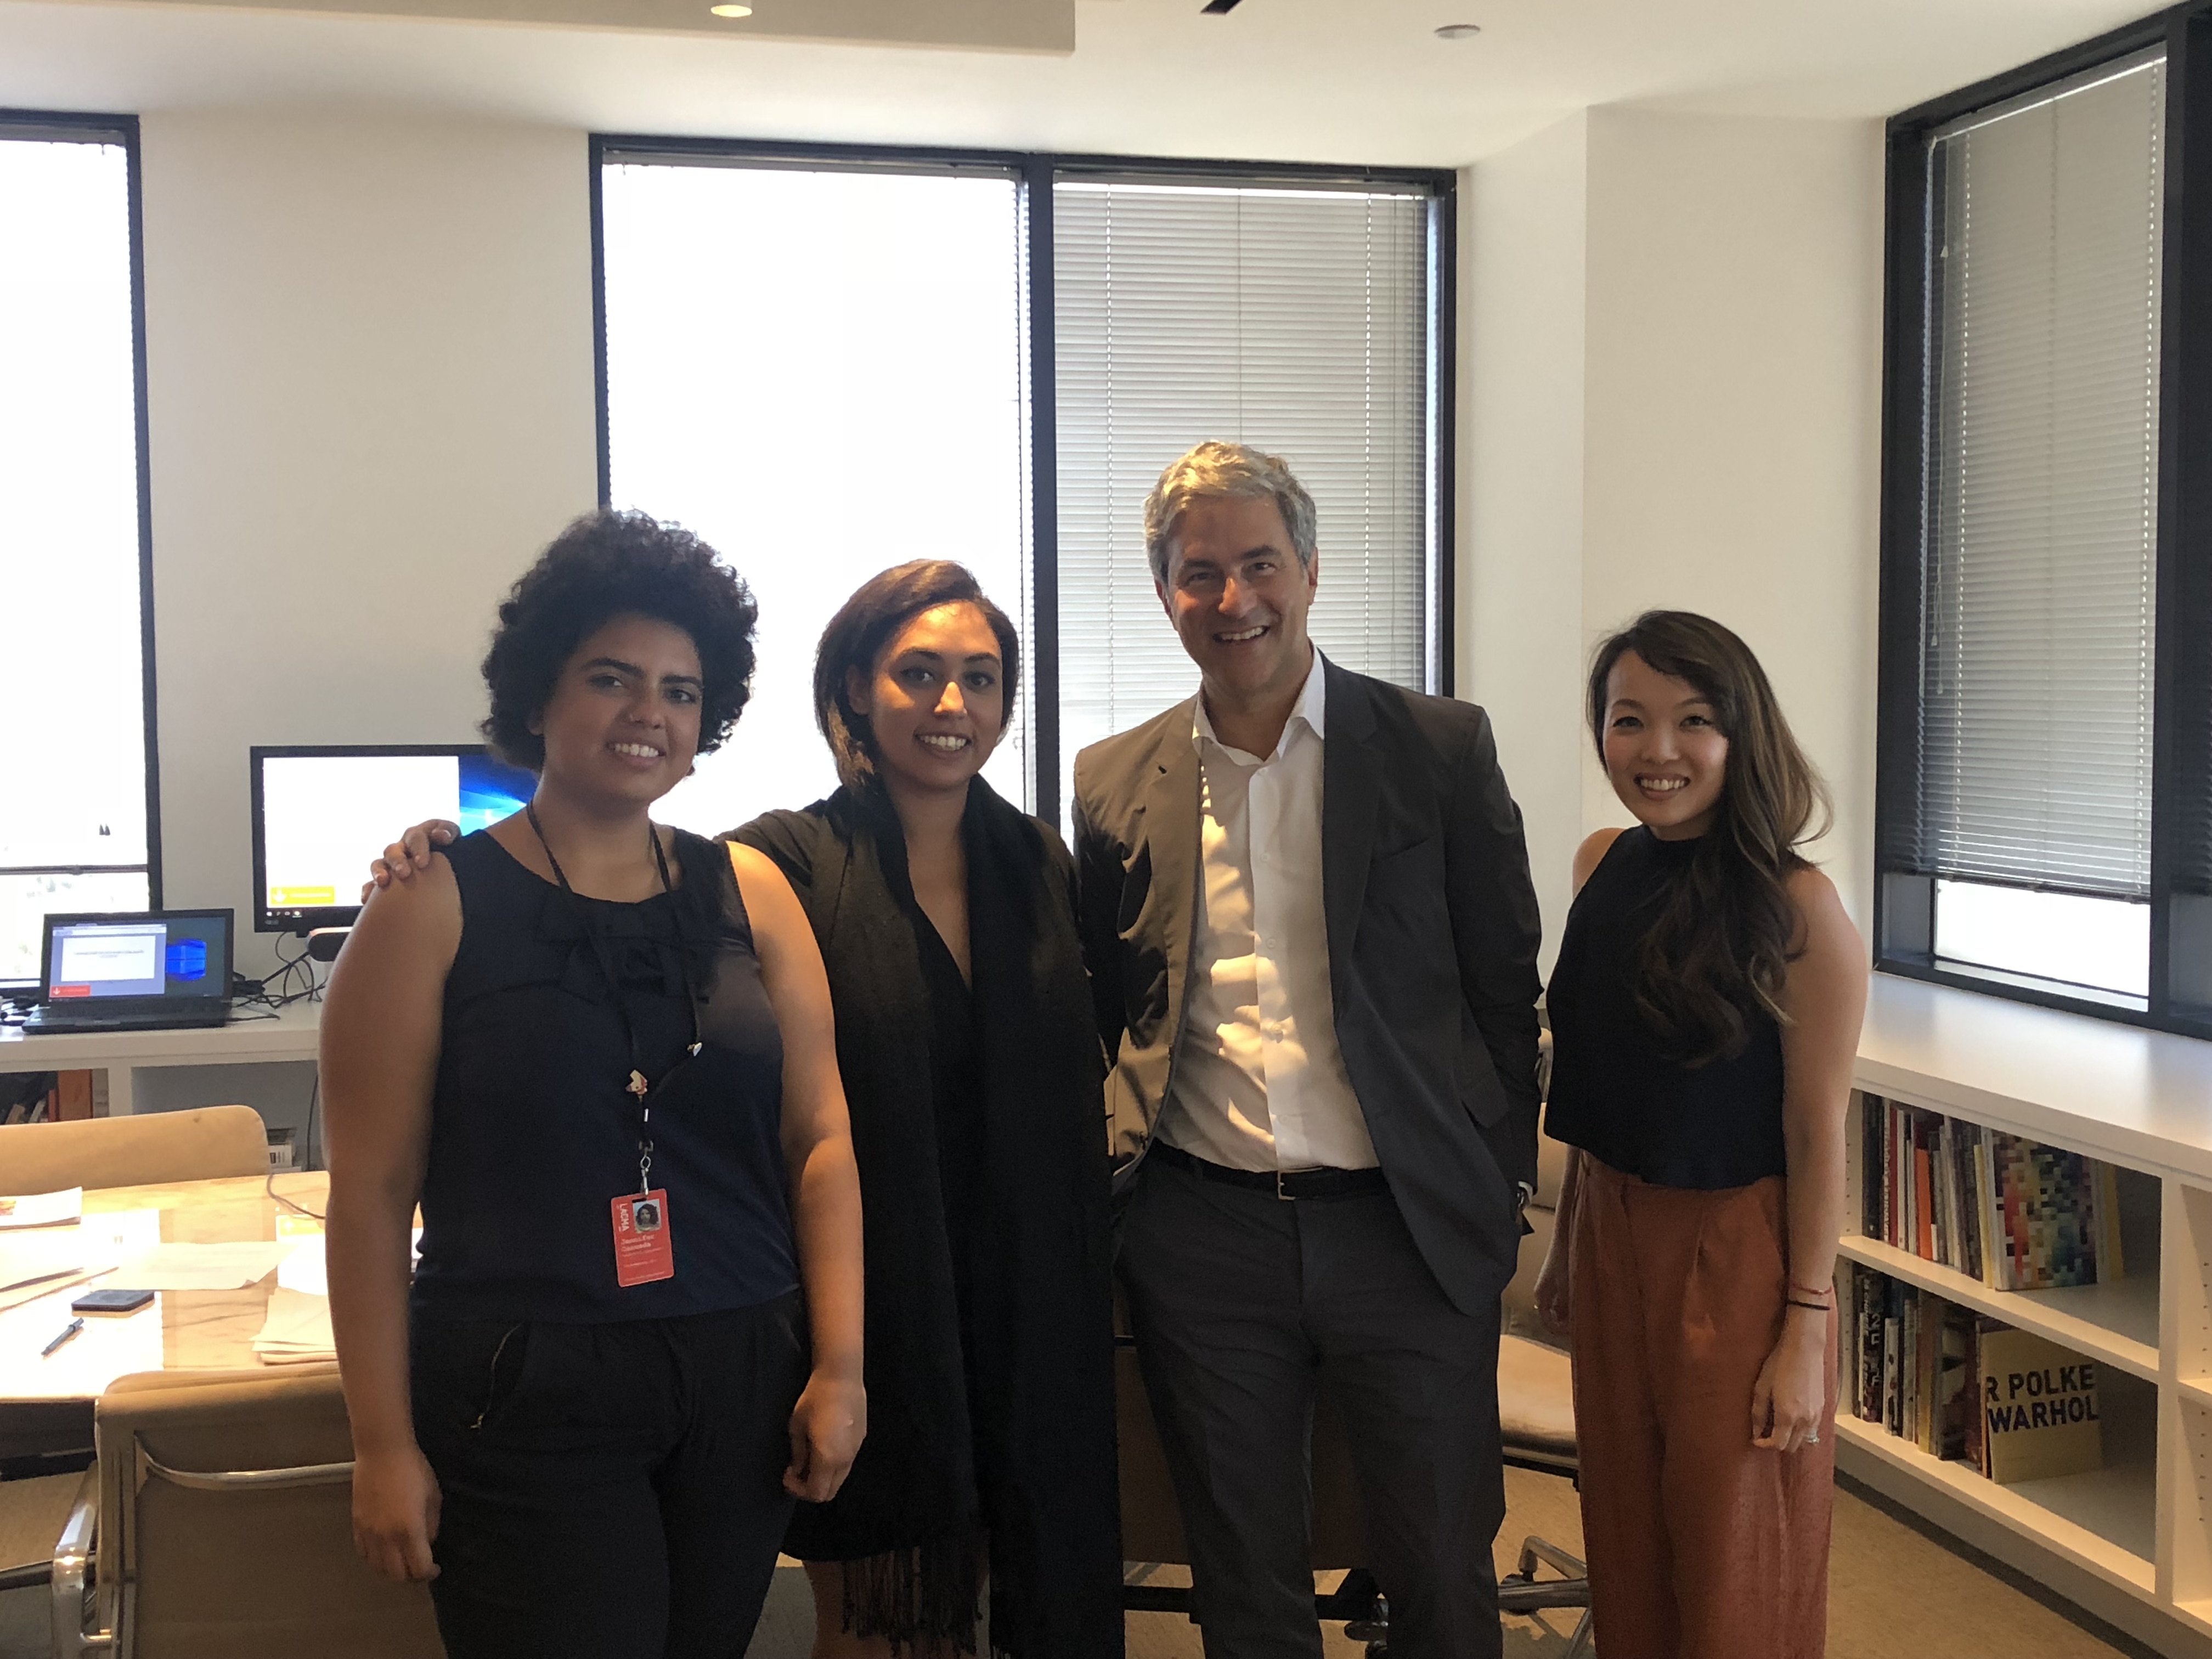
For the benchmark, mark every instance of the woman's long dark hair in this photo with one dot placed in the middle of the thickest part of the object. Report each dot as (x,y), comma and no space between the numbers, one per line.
(1718,947)
(868,622)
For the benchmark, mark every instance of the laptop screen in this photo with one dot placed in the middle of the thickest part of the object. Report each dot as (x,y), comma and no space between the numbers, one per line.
(172,955)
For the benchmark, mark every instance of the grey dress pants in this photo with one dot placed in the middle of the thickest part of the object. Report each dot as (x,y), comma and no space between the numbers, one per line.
(1242,1303)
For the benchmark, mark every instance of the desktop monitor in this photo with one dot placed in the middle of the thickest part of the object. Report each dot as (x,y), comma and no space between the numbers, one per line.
(321,814)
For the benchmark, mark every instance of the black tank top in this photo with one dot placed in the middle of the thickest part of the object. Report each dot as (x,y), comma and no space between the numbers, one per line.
(531,1135)
(1614,1093)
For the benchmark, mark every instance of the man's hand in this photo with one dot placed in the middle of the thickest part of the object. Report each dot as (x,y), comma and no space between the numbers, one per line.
(395,1514)
(827,1427)
(409,854)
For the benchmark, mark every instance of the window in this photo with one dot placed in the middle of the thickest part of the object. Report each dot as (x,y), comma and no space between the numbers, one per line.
(2045,657)
(822,373)
(1296,319)
(77,811)
(826,361)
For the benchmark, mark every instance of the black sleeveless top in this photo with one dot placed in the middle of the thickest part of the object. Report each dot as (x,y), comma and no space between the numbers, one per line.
(531,1134)
(1614,1093)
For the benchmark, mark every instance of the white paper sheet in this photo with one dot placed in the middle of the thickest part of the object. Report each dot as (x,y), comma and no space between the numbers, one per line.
(202,1266)
(27,1257)
(297,1330)
(304,1269)
(42,1209)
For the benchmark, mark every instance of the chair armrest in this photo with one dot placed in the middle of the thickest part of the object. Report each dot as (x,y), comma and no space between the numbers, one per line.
(73,1609)
(307,1474)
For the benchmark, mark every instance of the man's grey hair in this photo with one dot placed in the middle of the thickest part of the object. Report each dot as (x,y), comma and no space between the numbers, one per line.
(1217,471)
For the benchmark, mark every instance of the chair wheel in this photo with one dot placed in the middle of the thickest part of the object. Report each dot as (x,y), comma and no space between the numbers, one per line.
(1364,1630)
(1377,1650)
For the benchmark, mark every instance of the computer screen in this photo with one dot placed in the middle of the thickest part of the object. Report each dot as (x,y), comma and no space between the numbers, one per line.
(321,814)
(162,953)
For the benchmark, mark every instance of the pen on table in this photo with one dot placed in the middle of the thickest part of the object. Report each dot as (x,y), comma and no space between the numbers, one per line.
(67,1330)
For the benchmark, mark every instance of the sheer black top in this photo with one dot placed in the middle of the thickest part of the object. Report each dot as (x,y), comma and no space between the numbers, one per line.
(1615,1092)
(532,1135)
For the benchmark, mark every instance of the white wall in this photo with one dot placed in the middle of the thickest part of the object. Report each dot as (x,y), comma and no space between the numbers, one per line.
(1718,449)
(1734,438)
(370,395)
(1521,399)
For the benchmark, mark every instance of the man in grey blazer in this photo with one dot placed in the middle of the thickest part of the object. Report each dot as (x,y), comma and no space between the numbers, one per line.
(1312,939)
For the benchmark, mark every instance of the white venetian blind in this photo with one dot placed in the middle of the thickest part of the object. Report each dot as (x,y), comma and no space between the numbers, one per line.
(2035,759)
(1297,320)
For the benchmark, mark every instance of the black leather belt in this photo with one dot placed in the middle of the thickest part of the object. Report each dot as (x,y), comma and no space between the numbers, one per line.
(1279,1183)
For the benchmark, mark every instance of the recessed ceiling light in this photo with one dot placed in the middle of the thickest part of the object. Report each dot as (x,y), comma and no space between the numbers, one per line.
(1451,31)
(731,11)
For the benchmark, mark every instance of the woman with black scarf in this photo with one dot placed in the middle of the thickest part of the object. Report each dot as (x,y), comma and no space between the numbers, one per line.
(971,1058)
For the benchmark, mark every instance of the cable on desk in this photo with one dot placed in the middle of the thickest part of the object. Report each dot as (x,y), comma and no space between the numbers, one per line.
(269,1185)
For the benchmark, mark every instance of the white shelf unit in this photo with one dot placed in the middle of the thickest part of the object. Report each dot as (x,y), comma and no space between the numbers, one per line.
(2131,1541)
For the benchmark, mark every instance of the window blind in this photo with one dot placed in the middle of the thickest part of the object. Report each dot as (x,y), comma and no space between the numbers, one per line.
(1297,320)
(2040,527)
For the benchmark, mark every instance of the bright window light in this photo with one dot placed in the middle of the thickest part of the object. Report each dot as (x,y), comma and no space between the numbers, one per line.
(822,373)
(2103,944)
(72,810)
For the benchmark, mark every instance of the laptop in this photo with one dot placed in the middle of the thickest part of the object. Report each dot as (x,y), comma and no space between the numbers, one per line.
(148,971)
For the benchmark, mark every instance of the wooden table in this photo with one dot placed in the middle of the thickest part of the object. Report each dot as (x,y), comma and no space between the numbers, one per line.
(198,1330)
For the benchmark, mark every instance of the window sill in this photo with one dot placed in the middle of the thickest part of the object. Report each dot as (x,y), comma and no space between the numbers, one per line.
(2085,1081)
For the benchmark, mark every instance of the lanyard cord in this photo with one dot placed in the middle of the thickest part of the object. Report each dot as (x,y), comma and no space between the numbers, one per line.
(637,1088)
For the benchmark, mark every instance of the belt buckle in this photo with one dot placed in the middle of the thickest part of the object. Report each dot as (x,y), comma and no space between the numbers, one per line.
(1279,1193)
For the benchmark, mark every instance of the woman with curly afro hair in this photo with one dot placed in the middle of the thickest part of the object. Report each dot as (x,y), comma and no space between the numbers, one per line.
(969,1048)
(599,1053)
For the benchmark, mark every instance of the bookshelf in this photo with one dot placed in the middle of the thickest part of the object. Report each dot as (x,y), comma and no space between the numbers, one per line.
(2130,1541)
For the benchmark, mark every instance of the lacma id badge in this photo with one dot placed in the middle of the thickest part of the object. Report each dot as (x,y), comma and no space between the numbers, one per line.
(644,1250)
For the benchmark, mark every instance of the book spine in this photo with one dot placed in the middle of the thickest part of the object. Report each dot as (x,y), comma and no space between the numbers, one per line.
(72,1097)
(1867,1384)
(2111,1262)
(1923,1207)
(1893,1320)
(1870,1165)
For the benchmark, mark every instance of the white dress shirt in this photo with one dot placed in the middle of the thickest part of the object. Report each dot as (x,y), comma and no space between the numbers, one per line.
(1260,1083)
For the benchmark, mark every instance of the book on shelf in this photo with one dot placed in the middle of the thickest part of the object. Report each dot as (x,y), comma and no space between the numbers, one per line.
(1964,1387)
(2000,1208)
(2038,1408)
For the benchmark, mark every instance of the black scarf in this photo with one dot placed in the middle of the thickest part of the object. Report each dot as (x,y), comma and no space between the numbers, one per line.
(1015,1439)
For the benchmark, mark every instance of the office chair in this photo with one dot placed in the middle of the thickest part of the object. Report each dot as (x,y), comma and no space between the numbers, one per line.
(221,1524)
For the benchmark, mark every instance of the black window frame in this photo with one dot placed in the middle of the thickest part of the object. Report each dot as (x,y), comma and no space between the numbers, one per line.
(82,128)
(1036,171)
(2181,966)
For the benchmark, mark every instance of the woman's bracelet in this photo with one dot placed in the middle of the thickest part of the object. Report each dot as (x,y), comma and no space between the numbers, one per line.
(1816,1307)
(1828,1291)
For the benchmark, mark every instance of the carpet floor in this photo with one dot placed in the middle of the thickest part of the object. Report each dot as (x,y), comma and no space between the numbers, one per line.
(1960,1610)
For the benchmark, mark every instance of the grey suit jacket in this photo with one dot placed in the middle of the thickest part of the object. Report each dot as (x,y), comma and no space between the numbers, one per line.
(1433,935)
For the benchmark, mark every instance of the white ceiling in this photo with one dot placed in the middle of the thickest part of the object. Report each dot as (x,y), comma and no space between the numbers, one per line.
(1328,79)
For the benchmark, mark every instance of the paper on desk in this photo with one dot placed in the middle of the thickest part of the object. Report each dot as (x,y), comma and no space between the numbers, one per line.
(38,1262)
(307,1268)
(26,1258)
(201,1266)
(297,1330)
(42,1209)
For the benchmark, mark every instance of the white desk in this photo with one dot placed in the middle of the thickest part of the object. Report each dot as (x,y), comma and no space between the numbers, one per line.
(122,1054)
